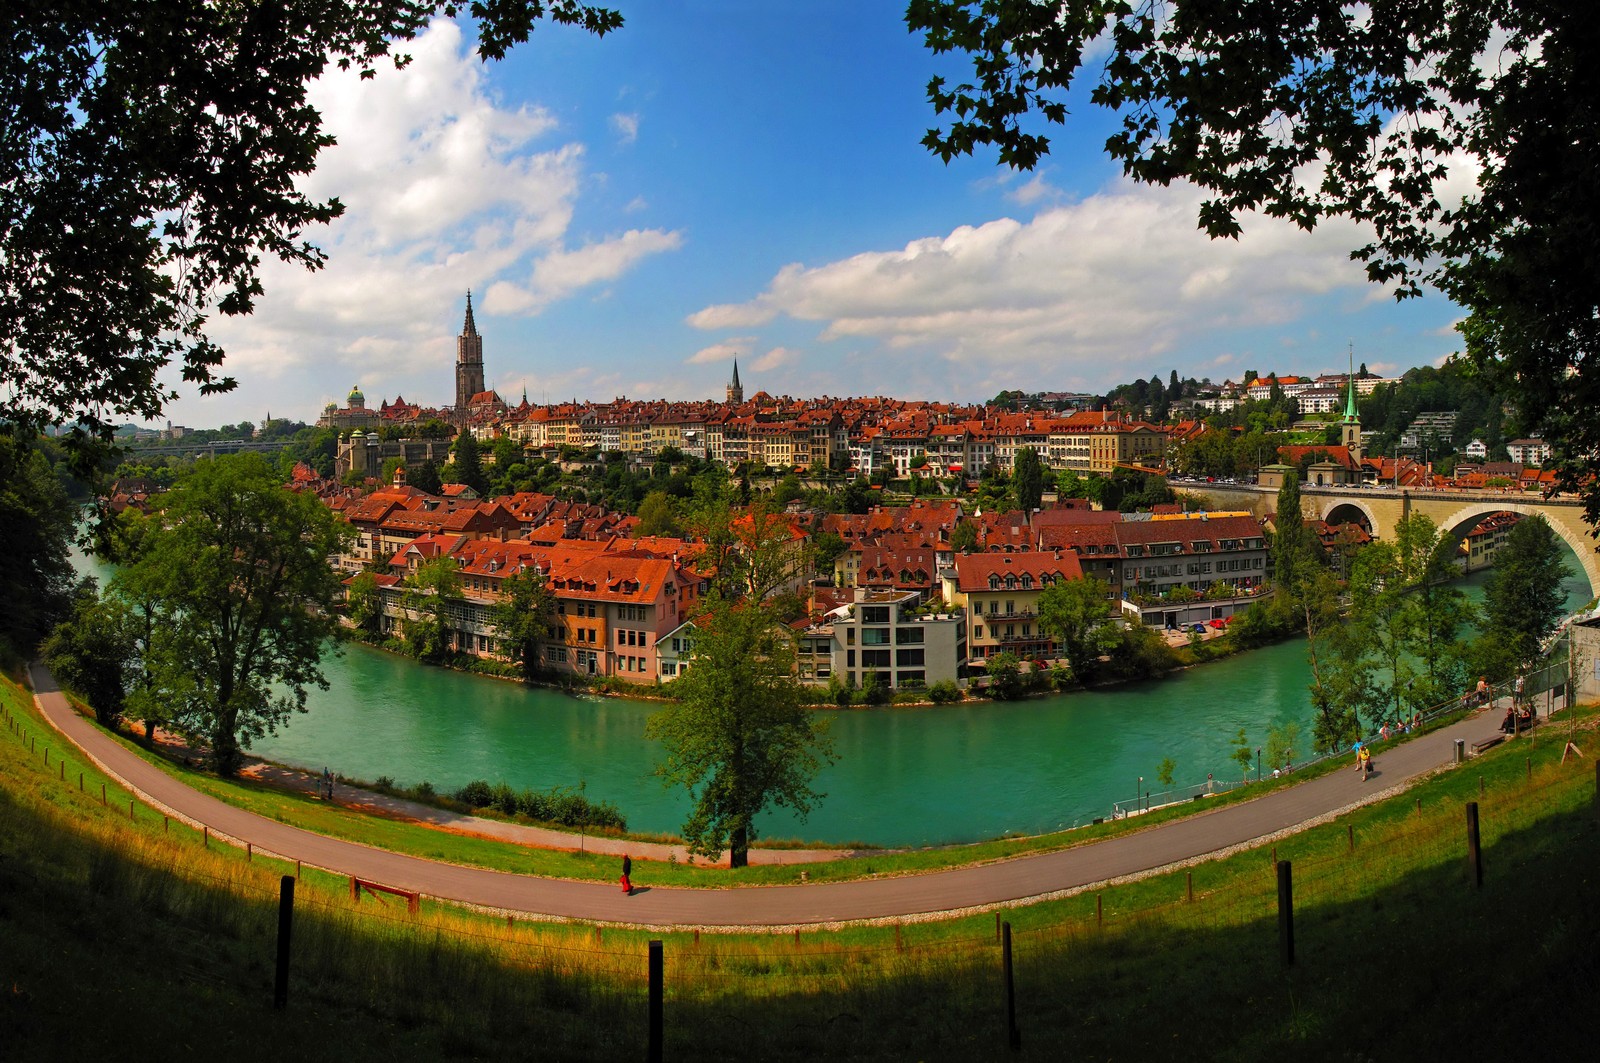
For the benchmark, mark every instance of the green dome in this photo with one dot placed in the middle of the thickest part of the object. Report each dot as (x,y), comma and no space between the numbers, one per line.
(355,396)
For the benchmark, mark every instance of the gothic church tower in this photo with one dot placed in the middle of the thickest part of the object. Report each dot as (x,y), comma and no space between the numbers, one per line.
(469,364)
(735,389)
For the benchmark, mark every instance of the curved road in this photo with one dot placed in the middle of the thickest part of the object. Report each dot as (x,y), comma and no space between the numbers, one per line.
(1005,882)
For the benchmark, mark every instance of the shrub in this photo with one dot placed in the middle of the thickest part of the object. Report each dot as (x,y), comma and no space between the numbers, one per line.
(506,799)
(945,692)
(476,794)
(424,791)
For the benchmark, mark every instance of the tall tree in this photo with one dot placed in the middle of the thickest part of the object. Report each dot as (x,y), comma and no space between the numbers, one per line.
(1522,600)
(431,592)
(1436,613)
(94,652)
(1078,613)
(35,566)
(1303,112)
(1294,551)
(152,156)
(523,618)
(740,738)
(237,569)
(1027,479)
(468,465)
(425,478)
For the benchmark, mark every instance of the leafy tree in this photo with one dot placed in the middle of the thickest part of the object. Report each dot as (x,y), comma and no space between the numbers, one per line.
(1243,753)
(430,592)
(236,570)
(1379,624)
(523,618)
(656,516)
(364,602)
(1078,613)
(1341,674)
(1165,770)
(1303,112)
(467,468)
(740,738)
(153,156)
(1522,599)
(826,546)
(94,652)
(35,569)
(1281,741)
(1437,611)
(1027,479)
(964,537)
(1005,676)
(1293,548)
(426,478)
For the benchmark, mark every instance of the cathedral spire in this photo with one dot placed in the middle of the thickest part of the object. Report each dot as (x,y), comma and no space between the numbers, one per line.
(469,328)
(735,389)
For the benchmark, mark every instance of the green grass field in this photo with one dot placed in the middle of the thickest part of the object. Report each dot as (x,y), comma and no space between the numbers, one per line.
(121,938)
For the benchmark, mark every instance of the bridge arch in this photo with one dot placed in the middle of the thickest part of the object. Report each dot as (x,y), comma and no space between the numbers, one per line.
(1581,542)
(1329,511)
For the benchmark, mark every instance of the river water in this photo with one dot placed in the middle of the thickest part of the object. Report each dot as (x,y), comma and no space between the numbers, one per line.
(904,776)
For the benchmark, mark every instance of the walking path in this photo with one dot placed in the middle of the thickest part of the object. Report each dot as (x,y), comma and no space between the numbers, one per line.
(910,896)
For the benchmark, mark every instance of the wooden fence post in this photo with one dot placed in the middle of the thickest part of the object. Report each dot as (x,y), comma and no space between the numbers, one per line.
(1286,913)
(280,981)
(1013,1034)
(1474,853)
(654,1052)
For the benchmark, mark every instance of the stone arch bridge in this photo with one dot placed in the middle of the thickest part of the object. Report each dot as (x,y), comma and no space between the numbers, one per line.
(1380,509)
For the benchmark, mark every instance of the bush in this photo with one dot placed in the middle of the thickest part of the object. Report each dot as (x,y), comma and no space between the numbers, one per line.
(506,799)
(945,692)
(424,791)
(476,794)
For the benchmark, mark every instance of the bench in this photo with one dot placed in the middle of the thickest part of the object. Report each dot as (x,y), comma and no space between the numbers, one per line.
(359,884)
(1487,743)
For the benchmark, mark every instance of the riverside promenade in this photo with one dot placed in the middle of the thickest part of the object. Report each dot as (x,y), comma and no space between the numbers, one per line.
(980,887)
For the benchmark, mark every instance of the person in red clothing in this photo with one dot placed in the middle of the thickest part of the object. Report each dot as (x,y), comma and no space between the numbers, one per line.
(627,869)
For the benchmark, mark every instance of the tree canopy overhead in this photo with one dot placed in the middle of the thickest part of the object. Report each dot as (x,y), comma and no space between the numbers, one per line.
(1378,112)
(149,159)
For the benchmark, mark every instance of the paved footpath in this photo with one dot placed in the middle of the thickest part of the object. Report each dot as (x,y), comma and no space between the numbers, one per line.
(908,896)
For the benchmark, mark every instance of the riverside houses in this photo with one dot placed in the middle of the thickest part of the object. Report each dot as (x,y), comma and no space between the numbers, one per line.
(882,633)
(999,593)
(614,600)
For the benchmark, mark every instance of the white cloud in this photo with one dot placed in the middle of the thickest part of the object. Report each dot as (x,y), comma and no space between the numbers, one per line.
(626,126)
(774,358)
(1035,190)
(1070,294)
(446,189)
(738,347)
(562,272)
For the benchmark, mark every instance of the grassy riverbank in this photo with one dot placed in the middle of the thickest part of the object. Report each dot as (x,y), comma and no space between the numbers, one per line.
(120,938)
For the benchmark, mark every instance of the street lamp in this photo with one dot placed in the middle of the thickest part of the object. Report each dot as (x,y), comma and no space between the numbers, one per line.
(1258,764)
(1137,791)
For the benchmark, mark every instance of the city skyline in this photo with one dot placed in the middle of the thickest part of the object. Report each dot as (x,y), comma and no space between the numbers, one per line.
(634,212)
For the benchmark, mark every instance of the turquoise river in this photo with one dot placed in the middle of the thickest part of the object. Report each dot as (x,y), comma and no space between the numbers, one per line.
(904,776)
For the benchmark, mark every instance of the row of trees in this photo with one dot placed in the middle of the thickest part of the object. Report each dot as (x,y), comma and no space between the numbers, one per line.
(1391,639)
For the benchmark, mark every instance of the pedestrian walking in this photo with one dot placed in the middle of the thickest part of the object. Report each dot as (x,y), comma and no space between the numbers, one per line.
(1516,691)
(1366,763)
(627,870)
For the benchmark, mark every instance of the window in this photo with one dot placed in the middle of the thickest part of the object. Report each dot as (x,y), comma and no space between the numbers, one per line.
(669,668)
(907,636)
(1011,607)
(850,658)
(875,614)
(874,658)
(874,636)
(908,658)
(977,631)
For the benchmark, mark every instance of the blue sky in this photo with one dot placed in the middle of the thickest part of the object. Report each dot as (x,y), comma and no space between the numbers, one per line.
(721,180)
